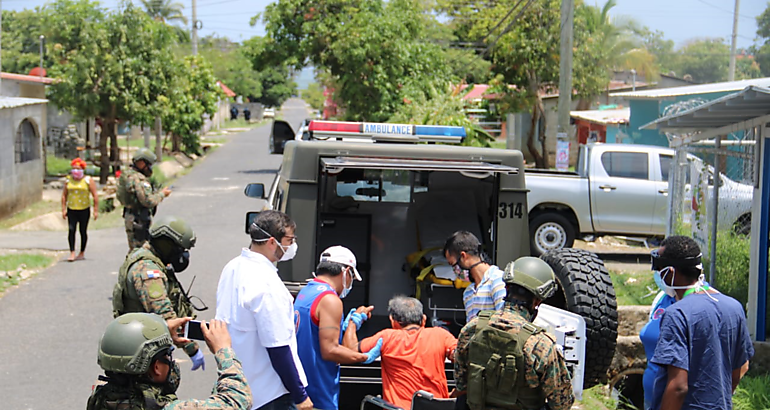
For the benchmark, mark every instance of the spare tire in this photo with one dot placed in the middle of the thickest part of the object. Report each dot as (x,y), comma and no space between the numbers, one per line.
(585,288)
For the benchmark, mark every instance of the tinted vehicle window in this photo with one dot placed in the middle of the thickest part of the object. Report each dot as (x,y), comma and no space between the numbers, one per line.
(626,164)
(665,165)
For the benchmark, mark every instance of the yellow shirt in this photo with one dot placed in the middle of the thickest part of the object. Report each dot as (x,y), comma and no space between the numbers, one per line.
(78,193)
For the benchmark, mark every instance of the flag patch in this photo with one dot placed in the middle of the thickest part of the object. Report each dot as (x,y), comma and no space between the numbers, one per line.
(152,274)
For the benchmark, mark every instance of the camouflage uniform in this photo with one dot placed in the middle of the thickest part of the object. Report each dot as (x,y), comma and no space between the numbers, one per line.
(144,286)
(232,392)
(545,368)
(139,201)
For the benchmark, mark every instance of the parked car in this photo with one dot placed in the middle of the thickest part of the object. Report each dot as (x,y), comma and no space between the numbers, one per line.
(618,189)
(268,113)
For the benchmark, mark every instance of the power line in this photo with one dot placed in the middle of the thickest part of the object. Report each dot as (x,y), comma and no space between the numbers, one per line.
(725,10)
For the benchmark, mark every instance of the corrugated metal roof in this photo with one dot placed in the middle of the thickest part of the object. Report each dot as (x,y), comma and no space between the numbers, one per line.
(731,113)
(13,102)
(617,116)
(695,89)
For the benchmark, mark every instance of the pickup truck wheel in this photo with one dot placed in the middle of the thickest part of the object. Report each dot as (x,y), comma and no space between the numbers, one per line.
(549,231)
(585,288)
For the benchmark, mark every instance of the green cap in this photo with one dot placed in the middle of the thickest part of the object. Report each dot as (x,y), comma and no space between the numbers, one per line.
(131,341)
(144,154)
(175,229)
(533,274)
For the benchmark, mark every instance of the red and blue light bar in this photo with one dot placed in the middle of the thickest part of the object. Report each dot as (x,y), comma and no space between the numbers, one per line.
(389,132)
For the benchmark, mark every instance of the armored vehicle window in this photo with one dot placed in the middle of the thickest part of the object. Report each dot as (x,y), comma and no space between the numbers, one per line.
(375,185)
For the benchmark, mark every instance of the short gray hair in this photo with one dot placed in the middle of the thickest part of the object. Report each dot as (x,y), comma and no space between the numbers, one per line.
(405,310)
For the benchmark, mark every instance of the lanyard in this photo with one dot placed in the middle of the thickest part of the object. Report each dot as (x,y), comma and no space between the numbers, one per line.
(692,290)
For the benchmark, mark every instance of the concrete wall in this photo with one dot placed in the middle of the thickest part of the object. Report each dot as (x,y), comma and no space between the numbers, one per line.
(20,184)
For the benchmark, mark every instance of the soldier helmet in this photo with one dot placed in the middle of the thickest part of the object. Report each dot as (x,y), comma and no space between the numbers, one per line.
(175,229)
(131,341)
(144,154)
(533,274)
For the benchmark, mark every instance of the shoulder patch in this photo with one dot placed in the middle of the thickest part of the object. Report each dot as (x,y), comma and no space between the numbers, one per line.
(152,274)
(146,184)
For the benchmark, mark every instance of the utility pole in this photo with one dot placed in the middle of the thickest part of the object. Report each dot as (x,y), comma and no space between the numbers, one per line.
(565,74)
(731,73)
(194,28)
(42,37)
(1,47)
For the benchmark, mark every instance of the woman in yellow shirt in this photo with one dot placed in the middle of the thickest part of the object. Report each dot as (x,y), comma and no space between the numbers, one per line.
(76,205)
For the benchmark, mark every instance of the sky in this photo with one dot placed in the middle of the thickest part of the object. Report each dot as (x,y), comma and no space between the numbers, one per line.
(680,20)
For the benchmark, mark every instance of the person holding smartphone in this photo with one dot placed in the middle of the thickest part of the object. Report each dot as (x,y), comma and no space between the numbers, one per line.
(151,370)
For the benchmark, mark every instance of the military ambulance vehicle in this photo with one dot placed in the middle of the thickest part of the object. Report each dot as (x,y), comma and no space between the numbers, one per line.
(392,194)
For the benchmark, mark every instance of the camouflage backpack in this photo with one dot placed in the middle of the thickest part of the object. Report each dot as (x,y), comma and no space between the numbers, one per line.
(496,369)
(128,397)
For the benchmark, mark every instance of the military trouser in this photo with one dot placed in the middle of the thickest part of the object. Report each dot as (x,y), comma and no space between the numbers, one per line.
(137,226)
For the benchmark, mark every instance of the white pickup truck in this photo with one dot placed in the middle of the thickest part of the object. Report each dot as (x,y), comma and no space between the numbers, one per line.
(618,189)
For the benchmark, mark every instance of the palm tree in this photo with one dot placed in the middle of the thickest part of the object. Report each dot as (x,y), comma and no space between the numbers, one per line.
(165,10)
(620,40)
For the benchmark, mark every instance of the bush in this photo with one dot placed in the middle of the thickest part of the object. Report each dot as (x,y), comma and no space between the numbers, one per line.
(57,166)
(732,267)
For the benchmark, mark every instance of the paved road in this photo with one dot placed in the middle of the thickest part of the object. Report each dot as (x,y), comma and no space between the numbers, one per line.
(50,326)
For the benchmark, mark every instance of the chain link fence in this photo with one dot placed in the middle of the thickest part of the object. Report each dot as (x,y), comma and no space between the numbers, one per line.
(717,215)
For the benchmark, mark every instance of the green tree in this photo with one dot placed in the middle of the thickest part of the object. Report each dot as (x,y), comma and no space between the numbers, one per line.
(21,36)
(374,50)
(165,10)
(193,93)
(762,48)
(663,50)
(114,68)
(706,60)
(314,95)
(231,65)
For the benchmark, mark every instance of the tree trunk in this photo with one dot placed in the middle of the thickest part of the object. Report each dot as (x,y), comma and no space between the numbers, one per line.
(114,148)
(541,137)
(175,142)
(583,104)
(536,111)
(108,134)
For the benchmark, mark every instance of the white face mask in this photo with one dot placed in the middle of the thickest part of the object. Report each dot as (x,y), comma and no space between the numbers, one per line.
(671,290)
(347,288)
(289,252)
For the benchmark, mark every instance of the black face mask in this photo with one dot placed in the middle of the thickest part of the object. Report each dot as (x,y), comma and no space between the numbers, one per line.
(180,261)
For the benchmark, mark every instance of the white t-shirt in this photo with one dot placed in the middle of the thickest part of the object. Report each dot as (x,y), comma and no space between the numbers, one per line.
(259,312)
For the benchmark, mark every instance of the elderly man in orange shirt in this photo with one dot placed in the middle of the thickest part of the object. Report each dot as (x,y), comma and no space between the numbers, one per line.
(413,356)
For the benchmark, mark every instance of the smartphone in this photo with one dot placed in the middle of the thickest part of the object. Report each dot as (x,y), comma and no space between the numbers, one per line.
(193,330)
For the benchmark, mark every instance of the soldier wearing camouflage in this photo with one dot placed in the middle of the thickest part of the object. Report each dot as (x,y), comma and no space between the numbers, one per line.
(138,197)
(129,351)
(146,282)
(538,374)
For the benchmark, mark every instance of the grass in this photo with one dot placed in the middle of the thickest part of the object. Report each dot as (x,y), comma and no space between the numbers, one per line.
(12,261)
(36,209)
(633,288)
(753,393)
(595,398)
(56,166)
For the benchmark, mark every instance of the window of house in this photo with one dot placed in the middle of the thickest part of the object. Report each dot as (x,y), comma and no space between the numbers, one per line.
(27,146)
(626,164)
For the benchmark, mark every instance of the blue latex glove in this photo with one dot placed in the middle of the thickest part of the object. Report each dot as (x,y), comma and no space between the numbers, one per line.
(198,361)
(373,354)
(347,320)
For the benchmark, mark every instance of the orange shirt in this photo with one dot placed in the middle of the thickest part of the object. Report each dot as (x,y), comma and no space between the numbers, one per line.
(413,359)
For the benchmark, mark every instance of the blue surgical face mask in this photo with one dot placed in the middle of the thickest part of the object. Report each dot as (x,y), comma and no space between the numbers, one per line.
(347,288)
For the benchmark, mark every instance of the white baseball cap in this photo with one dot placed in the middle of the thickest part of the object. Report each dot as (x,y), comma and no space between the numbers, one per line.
(343,255)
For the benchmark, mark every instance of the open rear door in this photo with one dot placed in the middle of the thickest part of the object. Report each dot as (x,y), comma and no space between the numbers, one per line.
(279,134)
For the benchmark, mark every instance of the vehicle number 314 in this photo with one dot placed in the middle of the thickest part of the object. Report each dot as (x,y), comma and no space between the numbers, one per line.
(510,210)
